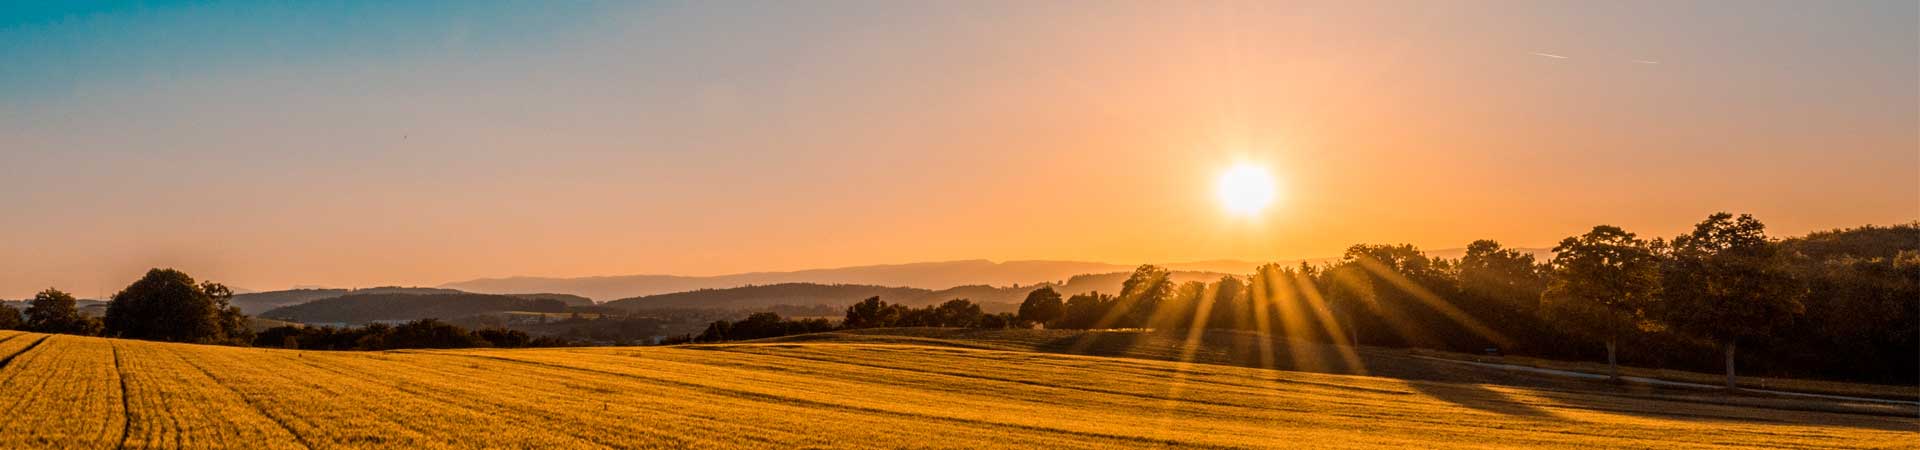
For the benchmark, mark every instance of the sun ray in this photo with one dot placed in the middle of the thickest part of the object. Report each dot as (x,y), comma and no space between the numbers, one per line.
(1430,299)
(1332,328)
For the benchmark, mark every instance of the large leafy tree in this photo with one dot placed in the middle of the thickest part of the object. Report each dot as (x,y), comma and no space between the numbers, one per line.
(1229,302)
(871,313)
(1084,311)
(1503,286)
(1350,294)
(1141,296)
(53,311)
(1601,285)
(1042,306)
(167,305)
(1727,282)
(958,313)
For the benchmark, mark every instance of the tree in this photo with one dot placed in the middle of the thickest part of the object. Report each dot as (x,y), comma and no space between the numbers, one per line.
(1349,294)
(958,313)
(53,311)
(1083,311)
(1727,282)
(1229,300)
(871,313)
(10,318)
(166,305)
(1141,296)
(432,333)
(1042,306)
(1601,284)
(1503,287)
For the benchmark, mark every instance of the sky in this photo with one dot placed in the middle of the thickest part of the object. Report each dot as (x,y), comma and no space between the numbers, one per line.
(273,144)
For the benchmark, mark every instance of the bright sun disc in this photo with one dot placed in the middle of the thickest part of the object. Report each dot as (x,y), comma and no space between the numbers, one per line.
(1246,189)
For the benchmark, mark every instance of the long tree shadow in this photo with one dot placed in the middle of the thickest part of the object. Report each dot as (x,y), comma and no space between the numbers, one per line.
(1467,386)
(1478,396)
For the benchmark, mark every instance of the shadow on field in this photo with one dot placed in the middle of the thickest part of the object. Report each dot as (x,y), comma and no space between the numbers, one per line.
(1459,384)
(1479,397)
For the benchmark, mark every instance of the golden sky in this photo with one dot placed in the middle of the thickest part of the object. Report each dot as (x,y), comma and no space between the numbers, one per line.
(269,146)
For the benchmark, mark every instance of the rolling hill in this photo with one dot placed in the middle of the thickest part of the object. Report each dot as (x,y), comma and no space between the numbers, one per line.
(85,392)
(933,275)
(365,308)
(260,302)
(993,299)
(927,275)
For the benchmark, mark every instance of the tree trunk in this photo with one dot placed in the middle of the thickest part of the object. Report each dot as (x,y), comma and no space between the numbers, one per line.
(1613,364)
(1730,384)
(1353,332)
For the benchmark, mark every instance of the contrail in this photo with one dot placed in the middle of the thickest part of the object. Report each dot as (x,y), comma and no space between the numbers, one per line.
(1646,61)
(1549,55)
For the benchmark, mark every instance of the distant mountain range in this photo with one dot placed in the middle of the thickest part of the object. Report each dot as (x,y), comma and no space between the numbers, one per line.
(928,275)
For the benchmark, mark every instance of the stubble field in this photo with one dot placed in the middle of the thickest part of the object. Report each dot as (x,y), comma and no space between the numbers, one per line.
(62,391)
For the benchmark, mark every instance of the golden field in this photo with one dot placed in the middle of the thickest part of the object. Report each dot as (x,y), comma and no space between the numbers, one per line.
(841,391)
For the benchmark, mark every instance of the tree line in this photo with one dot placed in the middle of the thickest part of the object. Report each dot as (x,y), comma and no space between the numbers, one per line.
(168,305)
(422,333)
(869,313)
(1837,304)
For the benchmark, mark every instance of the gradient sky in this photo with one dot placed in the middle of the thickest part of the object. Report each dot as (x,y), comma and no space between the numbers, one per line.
(272,144)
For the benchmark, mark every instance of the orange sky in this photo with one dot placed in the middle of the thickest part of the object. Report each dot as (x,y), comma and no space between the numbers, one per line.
(269,148)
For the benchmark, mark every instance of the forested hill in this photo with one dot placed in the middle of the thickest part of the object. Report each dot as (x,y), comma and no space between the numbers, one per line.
(364,308)
(993,298)
(259,302)
(769,295)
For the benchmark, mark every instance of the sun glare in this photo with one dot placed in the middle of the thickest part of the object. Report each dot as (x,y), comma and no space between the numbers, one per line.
(1246,189)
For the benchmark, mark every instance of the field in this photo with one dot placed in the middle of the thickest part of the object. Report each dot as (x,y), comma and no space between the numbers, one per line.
(845,391)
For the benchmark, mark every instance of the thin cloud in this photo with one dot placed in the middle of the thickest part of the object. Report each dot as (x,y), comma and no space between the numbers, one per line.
(1549,55)
(1646,61)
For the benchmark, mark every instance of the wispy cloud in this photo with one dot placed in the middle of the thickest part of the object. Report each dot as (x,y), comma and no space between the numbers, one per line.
(1549,55)
(1646,61)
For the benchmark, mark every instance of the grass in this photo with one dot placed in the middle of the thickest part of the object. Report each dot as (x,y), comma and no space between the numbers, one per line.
(82,392)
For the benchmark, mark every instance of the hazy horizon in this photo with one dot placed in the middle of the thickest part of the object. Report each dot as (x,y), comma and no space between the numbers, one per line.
(268,145)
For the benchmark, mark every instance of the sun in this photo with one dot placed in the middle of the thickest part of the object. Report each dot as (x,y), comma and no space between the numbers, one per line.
(1246,189)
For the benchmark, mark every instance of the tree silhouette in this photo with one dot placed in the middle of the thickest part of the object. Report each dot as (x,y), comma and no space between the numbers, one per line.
(1140,297)
(959,313)
(1042,306)
(53,311)
(10,318)
(1726,282)
(166,305)
(1503,286)
(871,313)
(1084,311)
(1229,303)
(1602,283)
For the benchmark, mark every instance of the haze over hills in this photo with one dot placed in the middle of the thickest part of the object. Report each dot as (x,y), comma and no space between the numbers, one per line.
(990,298)
(926,275)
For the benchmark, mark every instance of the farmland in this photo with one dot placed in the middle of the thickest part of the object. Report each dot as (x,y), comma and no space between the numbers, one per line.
(62,391)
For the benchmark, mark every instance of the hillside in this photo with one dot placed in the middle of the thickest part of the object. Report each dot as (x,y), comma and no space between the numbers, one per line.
(259,302)
(72,391)
(992,298)
(364,308)
(928,275)
(933,275)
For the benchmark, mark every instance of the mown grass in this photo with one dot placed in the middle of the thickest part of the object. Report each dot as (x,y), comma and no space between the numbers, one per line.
(80,392)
